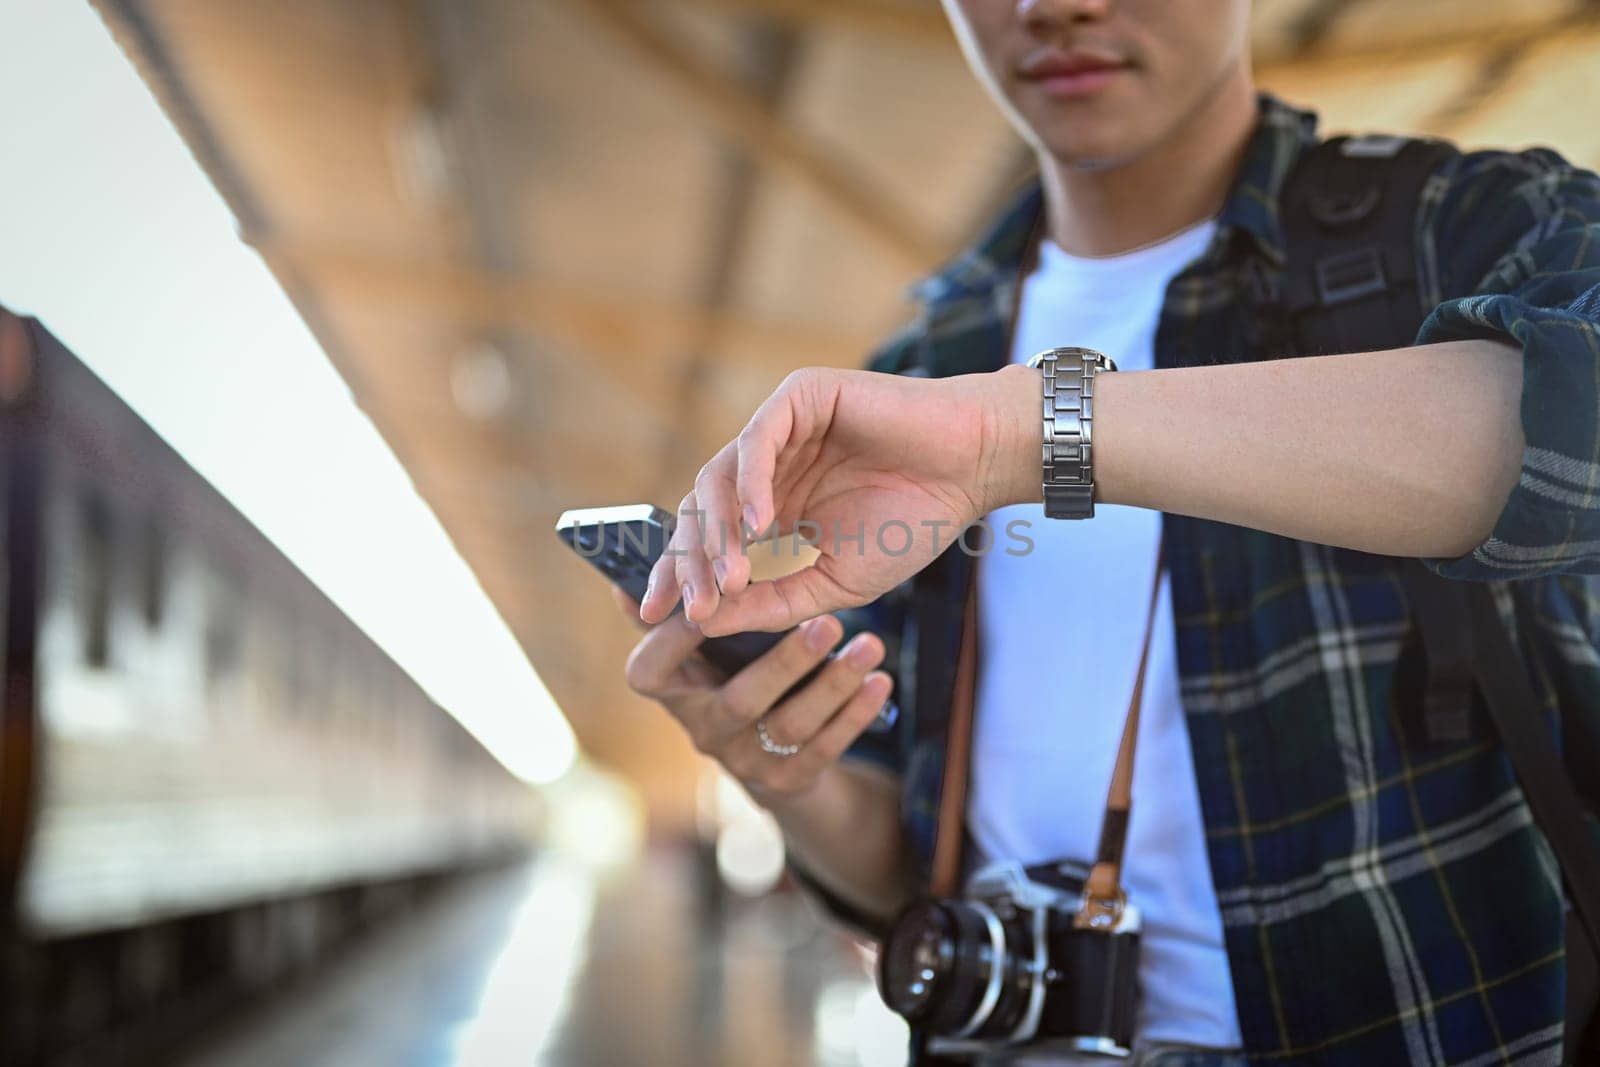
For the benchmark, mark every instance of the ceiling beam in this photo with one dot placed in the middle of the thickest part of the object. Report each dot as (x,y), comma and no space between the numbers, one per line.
(569,470)
(770,55)
(1312,25)
(1440,42)
(633,326)
(1493,71)
(1504,61)
(741,115)
(913,21)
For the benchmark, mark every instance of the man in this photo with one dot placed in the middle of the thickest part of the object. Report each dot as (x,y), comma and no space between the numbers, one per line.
(1318,884)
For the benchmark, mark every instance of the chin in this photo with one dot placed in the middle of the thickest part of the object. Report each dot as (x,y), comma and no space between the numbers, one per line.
(1088,147)
(1094,134)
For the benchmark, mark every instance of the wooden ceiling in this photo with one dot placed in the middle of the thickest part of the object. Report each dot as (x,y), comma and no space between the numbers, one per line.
(560,249)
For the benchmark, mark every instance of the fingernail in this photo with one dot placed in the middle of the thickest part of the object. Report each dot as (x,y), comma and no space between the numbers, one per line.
(860,652)
(818,635)
(750,517)
(688,597)
(719,571)
(649,587)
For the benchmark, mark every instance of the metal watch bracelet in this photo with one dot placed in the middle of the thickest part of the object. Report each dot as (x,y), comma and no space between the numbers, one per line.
(1067,375)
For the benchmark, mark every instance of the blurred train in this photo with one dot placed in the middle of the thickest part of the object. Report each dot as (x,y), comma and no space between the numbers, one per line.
(208,773)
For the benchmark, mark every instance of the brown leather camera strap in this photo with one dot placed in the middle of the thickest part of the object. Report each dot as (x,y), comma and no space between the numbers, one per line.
(1104,897)
(945,880)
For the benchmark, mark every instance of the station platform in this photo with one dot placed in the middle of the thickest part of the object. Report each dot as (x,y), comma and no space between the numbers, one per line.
(549,964)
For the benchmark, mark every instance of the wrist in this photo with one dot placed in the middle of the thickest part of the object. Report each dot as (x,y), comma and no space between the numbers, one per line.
(801,804)
(1015,431)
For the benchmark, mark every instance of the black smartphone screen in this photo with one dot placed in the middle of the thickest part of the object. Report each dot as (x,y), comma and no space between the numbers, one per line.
(621,543)
(624,543)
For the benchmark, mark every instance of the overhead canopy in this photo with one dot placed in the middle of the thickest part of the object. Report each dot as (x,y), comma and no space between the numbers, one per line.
(561,249)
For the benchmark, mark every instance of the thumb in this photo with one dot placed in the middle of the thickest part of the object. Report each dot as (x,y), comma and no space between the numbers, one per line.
(779,603)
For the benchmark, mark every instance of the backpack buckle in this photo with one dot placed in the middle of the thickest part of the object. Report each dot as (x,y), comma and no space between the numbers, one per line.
(1373,146)
(1350,276)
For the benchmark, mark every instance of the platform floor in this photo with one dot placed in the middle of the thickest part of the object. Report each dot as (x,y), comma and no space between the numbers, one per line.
(547,965)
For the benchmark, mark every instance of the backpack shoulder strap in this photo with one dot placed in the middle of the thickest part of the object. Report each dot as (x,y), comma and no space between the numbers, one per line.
(1348,211)
(1468,610)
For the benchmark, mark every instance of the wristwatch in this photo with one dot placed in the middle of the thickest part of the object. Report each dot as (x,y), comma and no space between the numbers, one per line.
(1068,378)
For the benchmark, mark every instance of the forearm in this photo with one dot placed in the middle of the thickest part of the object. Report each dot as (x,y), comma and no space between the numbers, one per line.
(1408,453)
(846,833)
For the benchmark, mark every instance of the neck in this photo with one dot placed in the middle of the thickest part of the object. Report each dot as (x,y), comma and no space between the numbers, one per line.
(1178,183)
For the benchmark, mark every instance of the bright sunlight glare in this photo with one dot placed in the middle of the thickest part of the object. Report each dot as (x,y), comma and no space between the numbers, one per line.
(114,238)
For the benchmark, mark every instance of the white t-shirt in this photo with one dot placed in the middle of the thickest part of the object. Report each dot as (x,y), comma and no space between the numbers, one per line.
(1060,630)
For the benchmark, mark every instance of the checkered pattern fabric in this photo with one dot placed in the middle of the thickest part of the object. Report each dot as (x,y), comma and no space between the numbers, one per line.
(1386,898)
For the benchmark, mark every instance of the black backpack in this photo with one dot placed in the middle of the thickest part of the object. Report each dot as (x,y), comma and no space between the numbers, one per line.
(1348,213)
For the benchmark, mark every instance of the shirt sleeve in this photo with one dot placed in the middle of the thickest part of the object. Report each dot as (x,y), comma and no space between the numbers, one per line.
(881,744)
(864,925)
(1517,241)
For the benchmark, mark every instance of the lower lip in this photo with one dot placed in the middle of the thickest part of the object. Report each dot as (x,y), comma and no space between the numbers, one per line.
(1076,85)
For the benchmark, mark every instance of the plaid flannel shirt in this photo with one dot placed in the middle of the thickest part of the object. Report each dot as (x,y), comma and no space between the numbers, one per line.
(1385,899)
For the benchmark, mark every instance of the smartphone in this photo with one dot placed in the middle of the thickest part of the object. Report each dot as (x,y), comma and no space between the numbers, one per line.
(624,543)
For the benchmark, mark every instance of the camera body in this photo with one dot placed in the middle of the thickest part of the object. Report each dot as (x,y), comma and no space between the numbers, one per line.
(1004,965)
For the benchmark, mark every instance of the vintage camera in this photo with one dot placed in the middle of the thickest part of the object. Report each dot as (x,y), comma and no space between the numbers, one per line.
(1005,965)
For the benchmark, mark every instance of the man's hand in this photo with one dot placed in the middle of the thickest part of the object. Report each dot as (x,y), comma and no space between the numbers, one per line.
(884,471)
(720,714)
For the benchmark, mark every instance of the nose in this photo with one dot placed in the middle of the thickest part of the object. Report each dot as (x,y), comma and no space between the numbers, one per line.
(1044,12)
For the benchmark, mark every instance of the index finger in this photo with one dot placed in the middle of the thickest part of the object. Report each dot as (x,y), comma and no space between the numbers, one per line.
(723,542)
(757,446)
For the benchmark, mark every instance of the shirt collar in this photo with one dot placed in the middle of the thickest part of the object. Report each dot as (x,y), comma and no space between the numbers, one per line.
(1282,133)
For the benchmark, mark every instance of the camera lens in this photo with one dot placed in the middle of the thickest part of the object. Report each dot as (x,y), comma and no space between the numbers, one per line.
(917,960)
(946,966)
(959,968)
